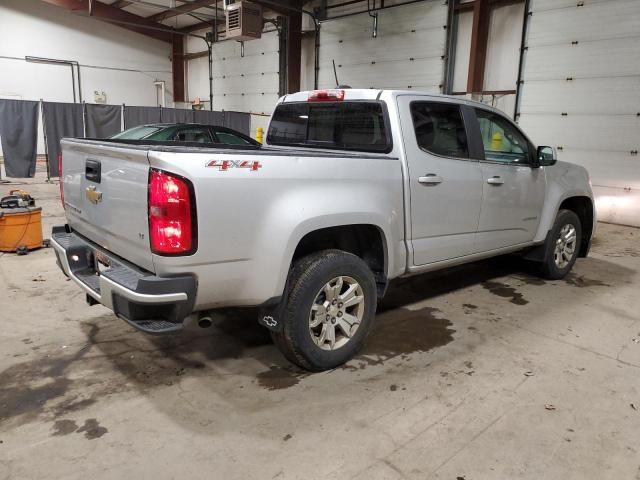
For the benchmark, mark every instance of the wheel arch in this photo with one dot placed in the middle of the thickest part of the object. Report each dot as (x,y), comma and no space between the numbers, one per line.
(368,241)
(583,207)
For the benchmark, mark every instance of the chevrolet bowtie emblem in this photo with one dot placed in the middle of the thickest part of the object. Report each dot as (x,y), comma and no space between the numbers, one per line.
(93,195)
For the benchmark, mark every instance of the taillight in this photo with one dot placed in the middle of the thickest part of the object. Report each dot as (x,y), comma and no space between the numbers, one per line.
(326,96)
(61,178)
(172,227)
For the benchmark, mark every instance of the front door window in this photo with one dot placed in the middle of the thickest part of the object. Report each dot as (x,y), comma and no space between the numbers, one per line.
(501,140)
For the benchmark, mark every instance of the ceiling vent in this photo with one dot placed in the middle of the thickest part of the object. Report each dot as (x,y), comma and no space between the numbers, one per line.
(244,21)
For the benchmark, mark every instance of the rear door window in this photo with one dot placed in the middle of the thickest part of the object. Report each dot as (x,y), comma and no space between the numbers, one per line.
(359,126)
(440,129)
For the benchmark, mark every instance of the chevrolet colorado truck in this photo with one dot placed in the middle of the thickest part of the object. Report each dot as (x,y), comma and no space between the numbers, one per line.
(352,189)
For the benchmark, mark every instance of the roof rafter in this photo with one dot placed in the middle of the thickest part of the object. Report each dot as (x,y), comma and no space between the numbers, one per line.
(122,18)
(180,9)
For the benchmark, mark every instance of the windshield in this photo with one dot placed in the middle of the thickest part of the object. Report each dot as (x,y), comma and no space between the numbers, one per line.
(136,133)
(357,126)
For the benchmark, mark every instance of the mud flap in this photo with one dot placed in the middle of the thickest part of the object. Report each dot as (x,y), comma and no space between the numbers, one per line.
(271,316)
(539,253)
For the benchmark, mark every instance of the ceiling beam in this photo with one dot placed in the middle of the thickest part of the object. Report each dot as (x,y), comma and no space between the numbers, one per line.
(284,7)
(200,26)
(122,18)
(180,9)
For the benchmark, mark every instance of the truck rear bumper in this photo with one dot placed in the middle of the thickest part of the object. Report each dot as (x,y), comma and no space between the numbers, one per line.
(149,303)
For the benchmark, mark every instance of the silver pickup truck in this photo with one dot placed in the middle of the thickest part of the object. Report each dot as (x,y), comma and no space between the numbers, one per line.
(353,189)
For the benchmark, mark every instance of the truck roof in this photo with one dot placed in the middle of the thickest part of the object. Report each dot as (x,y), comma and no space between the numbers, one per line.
(376,94)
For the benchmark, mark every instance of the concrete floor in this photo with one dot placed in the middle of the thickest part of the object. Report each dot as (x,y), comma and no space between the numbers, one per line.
(482,372)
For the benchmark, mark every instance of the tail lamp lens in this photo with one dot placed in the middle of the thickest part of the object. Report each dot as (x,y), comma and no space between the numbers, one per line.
(171,227)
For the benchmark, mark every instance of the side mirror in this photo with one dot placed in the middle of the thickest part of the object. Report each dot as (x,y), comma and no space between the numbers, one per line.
(547,156)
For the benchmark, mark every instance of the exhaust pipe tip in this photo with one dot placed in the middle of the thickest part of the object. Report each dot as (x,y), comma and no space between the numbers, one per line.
(205,321)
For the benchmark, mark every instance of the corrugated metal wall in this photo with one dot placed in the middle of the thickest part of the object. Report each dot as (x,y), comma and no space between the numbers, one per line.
(407,53)
(581,93)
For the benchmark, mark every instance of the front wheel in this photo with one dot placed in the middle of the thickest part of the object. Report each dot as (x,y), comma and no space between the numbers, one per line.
(330,309)
(563,247)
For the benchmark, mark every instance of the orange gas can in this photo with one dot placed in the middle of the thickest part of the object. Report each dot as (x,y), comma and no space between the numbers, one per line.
(20,227)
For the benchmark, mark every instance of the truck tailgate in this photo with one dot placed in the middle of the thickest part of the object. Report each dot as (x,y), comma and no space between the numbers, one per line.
(105,196)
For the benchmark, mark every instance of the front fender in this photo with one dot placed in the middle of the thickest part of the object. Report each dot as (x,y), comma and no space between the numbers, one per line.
(564,180)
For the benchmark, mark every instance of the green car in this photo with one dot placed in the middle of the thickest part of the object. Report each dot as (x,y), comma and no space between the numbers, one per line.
(186,133)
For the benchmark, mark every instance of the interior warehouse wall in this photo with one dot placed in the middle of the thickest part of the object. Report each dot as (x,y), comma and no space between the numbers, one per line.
(243,84)
(120,63)
(240,83)
(581,94)
(503,56)
(407,52)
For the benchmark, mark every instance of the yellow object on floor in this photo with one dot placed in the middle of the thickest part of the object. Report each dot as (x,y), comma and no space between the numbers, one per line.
(20,227)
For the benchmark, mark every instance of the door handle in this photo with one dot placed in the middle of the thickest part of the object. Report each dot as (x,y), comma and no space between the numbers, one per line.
(92,170)
(430,179)
(496,180)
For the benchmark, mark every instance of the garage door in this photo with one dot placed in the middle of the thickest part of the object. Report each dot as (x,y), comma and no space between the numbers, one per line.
(581,93)
(407,53)
(246,83)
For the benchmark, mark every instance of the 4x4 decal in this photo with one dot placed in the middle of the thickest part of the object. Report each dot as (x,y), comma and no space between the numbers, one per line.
(225,165)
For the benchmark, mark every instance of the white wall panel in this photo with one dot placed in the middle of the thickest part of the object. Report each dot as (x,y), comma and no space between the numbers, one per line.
(584,61)
(559,22)
(503,49)
(589,132)
(539,5)
(121,63)
(604,58)
(124,64)
(606,96)
(424,74)
(616,205)
(463,51)
(407,52)
(247,84)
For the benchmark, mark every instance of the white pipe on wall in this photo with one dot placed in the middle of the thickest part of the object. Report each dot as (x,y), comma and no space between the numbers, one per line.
(162,85)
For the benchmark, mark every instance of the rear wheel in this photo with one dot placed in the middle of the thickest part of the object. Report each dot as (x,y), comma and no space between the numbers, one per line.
(329,312)
(563,247)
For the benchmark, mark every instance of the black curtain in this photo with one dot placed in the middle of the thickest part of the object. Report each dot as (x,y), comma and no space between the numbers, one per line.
(134,116)
(208,117)
(102,121)
(60,120)
(238,121)
(177,115)
(19,132)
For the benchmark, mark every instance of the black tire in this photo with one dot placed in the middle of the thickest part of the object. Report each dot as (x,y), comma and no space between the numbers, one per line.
(307,277)
(548,268)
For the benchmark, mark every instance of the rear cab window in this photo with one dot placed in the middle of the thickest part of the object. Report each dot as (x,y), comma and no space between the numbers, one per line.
(347,125)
